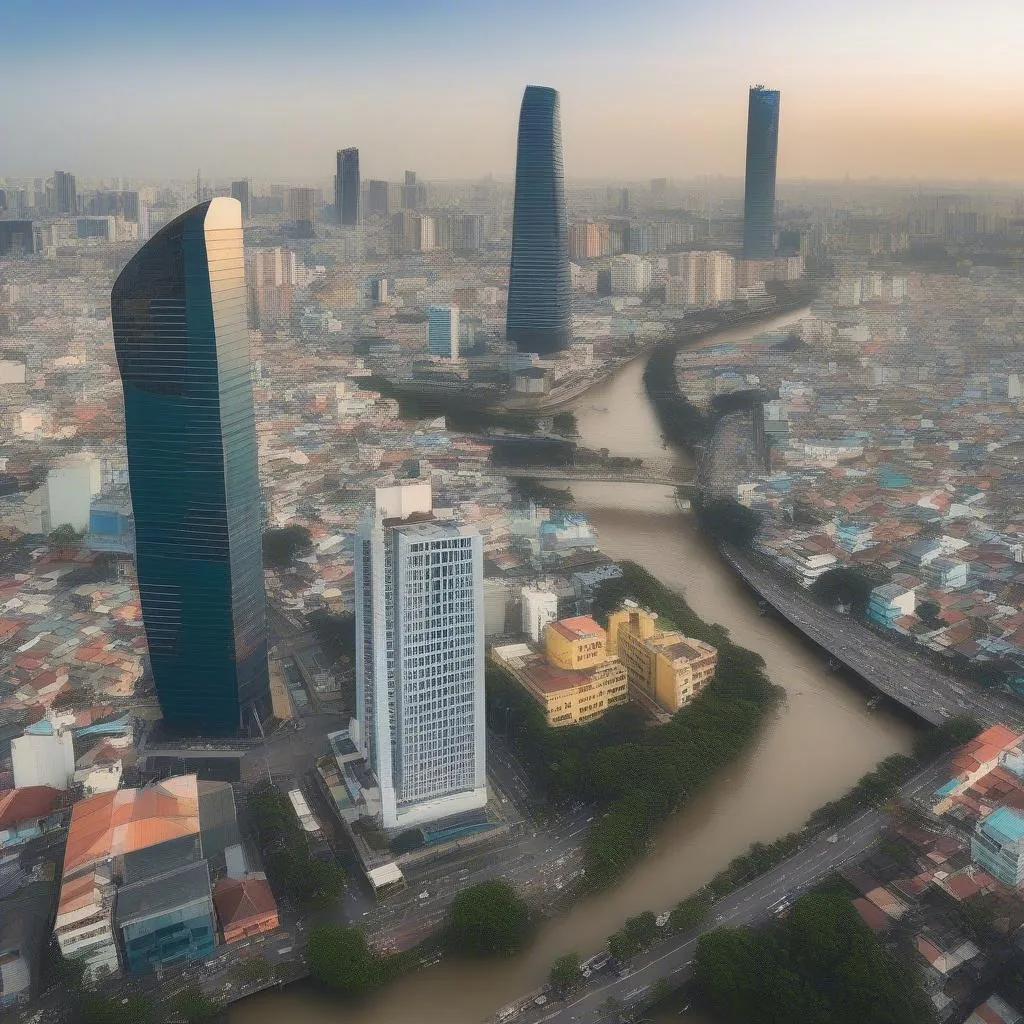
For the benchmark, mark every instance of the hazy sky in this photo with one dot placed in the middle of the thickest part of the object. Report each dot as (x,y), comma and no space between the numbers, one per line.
(270,88)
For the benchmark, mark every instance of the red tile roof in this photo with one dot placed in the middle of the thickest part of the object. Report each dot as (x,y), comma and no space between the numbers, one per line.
(239,901)
(26,804)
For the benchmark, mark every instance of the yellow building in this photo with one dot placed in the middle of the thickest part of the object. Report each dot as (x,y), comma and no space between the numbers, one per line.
(576,643)
(568,696)
(667,667)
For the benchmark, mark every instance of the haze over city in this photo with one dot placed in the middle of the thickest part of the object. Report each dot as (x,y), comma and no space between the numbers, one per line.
(914,89)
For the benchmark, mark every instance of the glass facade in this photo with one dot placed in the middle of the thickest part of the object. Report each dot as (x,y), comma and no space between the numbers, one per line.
(759,186)
(346,187)
(420,668)
(182,345)
(538,317)
(185,933)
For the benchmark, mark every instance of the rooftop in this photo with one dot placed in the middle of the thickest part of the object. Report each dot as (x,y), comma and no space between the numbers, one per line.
(580,627)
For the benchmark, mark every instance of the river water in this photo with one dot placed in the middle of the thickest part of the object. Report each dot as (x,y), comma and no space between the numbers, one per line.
(821,740)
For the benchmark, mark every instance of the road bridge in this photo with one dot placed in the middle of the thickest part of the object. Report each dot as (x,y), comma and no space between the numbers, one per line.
(649,473)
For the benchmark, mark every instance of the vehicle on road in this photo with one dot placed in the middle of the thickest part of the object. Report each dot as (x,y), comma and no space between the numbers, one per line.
(834,838)
(425,895)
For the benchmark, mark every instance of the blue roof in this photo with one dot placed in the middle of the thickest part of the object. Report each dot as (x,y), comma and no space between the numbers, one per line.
(947,788)
(1004,825)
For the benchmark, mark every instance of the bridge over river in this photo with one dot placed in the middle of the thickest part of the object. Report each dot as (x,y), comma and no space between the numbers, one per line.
(666,474)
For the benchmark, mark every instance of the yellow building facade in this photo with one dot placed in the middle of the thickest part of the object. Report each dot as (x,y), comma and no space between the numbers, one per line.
(669,668)
(567,696)
(576,643)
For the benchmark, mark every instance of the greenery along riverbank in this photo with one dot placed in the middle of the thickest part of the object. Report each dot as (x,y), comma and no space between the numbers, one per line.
(637,775)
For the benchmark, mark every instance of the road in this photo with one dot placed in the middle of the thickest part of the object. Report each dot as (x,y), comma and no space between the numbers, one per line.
(899,674)
(746,906)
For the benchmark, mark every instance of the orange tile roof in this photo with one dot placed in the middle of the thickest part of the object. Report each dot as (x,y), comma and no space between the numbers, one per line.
(113,824)
(240,901)
(985,748)
(77,893)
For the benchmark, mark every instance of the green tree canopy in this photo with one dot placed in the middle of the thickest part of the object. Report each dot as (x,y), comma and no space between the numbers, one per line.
(96,1009)
(728,520)
(848,585)
(282,546)
(566,972)
(822,965)
(487,919)
(929,613)
(336,633)
(192,1006)
(341,959)
(65,536)
(565,423)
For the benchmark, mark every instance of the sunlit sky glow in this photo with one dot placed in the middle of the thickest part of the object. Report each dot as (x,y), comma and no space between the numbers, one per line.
(928,89)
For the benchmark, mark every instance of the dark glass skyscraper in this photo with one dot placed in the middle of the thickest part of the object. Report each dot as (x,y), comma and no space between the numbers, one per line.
(182,346)
(240,191)
(346,187)
(759,188)
(538,318)
(65,194)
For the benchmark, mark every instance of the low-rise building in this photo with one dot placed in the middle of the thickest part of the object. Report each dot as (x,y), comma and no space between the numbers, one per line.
(998,845)
(576,643)
(666,666)
(245,907)
(890,602)
(567,696)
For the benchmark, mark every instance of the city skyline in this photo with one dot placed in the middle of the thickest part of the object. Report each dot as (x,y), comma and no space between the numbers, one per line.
(650,92)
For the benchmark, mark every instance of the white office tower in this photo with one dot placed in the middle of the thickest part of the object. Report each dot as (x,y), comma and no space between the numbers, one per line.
(540,609)
(420,658)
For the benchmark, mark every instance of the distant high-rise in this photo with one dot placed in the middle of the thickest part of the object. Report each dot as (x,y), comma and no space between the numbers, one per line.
(182,347)
(759,187)
(443,331)
(538,317)
(303,206)
(410,193)
(377,197)
(240,191)
(64,192)
(420,658)
(346,187)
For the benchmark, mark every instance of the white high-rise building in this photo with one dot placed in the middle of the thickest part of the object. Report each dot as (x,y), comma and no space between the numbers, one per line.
(540,609)
(443,331)
(631,275)
(420,658)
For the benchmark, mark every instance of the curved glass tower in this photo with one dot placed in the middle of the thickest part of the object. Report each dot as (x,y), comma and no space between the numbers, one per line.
(182,345)
(759,186)
(538,318)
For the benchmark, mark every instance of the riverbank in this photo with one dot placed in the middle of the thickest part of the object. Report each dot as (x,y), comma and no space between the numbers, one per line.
(809,750)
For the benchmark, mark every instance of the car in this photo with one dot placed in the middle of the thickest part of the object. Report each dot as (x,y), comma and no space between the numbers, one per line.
(425,895)
(834,838)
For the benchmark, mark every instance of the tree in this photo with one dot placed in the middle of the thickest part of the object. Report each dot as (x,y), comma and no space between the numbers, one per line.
(929,613)
(487,919)
(335,633)
(282,546)
(728,520)
(341,959)
(847,585)
(65,536)
(566,972)
(821,965)
(97,1009)
(565,424)
(193,1006)
(954,732)
(660,990)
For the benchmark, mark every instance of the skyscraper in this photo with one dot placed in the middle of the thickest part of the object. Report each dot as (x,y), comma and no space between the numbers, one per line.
(443,331)
(759,188)
(410,195)
(377,197)
(538,318)
(240,191)
(182,348)
(420,658)
(303,207)
(346,187)
(64,192)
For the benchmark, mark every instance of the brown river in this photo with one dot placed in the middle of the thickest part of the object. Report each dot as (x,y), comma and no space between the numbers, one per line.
(814,748)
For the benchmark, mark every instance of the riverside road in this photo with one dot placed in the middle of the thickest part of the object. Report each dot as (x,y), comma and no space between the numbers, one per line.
(747,905)
(900,675)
